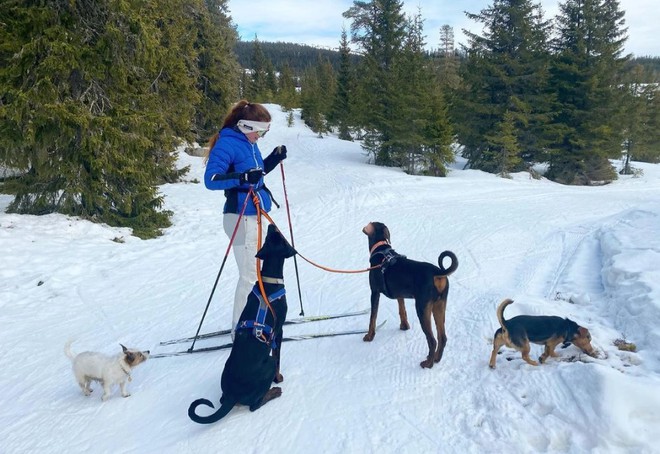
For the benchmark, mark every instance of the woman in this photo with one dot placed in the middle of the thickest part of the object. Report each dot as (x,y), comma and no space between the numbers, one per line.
(235,165)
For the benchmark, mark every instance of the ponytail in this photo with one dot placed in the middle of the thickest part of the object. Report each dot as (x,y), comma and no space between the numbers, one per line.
(242,110)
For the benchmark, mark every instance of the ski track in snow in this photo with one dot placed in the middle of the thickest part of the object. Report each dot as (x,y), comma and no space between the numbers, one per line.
(548,247)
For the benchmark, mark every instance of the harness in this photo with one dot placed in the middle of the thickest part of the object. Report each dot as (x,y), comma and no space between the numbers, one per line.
(260,329)
(390,256)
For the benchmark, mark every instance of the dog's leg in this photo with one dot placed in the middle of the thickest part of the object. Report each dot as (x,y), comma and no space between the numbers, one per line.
(375,297)
(424,310)
(550,349)
(271,394)
(525,354)
(403,315)
(85,386)
(498,342)
(276,355)
(122,386)
(439,309)
(107,389)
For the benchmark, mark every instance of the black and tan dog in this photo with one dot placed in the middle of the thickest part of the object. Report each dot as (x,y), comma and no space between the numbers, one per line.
(250,369)
(398,277)
(518,332)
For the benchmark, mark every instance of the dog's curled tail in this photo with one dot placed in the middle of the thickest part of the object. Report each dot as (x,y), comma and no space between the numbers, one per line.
(67,349)
(454,262)
(224,409)
(500,312)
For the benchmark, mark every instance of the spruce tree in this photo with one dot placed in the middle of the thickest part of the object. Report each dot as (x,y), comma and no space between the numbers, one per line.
(585,78)
(639,120)
(310,101)
(218,77)
(287,95)
(94,97)
(341,111)
(257,88)
(378,27)
(505,87)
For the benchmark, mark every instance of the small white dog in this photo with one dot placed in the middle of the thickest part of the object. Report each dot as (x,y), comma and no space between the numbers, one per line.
(107,370)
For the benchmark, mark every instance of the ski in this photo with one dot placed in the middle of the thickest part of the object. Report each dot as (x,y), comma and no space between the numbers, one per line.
(295,337)
(294,321)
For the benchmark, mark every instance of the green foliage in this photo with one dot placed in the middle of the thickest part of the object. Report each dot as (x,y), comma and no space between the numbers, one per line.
(341,111)
(379,29)
(297,56)
(585,77)
(504,103)
(95,96)
(287,95)
(217,80)
(639,120)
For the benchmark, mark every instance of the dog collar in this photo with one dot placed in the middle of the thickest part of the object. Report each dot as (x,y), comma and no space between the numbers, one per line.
(380,243)
(127,372)
(272,280)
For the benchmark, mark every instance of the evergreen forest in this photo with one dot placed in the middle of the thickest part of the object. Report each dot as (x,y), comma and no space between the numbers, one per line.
(96,95)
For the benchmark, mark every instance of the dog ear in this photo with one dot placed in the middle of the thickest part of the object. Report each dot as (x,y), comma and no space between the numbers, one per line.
(123,348)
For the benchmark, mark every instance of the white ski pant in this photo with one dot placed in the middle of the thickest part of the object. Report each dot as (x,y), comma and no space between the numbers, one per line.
(245,249)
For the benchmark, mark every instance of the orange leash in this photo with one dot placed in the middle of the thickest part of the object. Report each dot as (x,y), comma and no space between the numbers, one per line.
(332,270)
(255,200)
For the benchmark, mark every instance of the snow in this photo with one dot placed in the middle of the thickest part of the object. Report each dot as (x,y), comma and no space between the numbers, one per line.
(588,253)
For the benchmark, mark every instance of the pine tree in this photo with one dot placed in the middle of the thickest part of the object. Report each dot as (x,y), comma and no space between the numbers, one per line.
(640,120)
(506,74)
(341,111)
(218,69)
(95,96)
(447,61)
(505,154)
(287,95)
(585,77)
(310,101)
(378,28)
(257,88)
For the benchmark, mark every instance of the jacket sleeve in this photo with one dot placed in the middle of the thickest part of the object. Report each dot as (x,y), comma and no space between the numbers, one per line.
(216,176)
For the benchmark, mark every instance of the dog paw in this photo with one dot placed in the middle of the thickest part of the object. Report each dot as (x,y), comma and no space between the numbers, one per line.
(126,395)
(369,337)
(279,378)
(404,326)
(427,363)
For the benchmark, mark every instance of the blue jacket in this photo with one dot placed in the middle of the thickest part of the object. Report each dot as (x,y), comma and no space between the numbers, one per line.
(232,155)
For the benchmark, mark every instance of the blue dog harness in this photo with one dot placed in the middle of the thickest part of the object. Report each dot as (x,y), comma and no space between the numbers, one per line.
(260,329)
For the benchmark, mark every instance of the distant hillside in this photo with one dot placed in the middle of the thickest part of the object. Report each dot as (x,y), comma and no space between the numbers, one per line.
(651,67)
(298,56)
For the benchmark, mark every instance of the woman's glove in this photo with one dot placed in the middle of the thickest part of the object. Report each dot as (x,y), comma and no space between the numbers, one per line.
(275,157)
(252,176)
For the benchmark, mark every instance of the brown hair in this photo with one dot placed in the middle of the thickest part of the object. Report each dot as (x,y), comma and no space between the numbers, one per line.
(242,110)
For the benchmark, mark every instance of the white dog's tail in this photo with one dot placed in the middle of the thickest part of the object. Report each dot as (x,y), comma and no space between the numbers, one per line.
(67,349)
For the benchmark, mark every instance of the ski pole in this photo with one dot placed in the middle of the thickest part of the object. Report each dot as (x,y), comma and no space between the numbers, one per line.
(288,214)
(217,278)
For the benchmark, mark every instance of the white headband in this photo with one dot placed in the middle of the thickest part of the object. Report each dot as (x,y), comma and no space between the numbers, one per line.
(248,126)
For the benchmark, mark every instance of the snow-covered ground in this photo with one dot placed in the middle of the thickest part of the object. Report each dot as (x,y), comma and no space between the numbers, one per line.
(588,253)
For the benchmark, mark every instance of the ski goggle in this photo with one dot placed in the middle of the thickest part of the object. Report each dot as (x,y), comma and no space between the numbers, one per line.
(249,126)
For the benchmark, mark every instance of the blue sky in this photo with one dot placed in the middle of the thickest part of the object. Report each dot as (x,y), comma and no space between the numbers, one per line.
(320,22)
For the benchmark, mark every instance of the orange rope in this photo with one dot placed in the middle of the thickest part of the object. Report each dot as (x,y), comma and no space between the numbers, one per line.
(255,200)
(332,270)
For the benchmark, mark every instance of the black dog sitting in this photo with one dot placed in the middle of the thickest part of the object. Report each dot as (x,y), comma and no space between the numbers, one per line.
(398,277)
(250,369)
